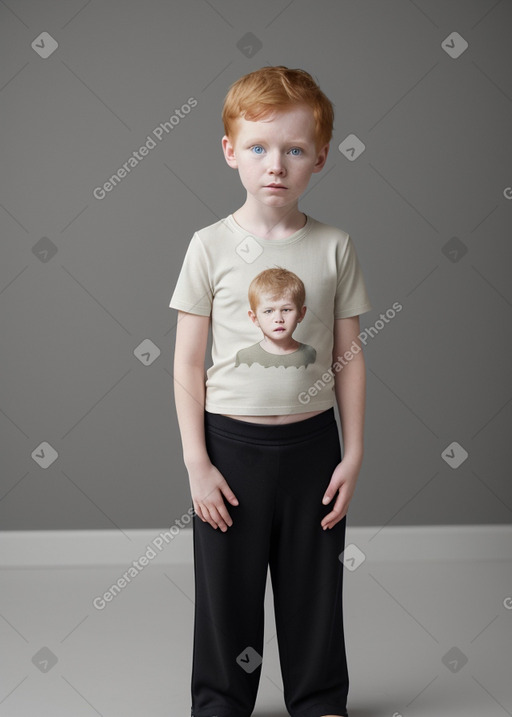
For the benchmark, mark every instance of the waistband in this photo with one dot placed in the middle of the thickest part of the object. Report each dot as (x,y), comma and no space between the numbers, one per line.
(266,432)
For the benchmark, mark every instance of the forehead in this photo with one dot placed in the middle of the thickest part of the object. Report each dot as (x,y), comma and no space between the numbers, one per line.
(271,299)
(297,122)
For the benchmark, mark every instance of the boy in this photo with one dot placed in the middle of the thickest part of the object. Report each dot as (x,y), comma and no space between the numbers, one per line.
(277,298)
(267,441)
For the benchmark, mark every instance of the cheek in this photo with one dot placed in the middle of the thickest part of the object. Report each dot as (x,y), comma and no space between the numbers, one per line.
(306,171)
(305,168)
(248,171)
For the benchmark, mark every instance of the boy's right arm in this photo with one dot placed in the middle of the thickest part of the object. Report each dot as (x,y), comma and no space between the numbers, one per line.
(189,385)
(206,483)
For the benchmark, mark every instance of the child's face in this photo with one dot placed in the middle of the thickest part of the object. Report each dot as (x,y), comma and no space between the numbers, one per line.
(279,149)
(277,318)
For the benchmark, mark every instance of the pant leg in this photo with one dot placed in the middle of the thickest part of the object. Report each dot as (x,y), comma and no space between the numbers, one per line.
(307,579)
(230,579)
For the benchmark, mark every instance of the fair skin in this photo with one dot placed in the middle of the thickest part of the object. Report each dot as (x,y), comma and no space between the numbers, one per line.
(275,214)
(278,319)
(279,149)
(208,486)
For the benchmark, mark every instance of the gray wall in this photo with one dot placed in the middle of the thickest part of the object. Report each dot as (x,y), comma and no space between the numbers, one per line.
(85,281)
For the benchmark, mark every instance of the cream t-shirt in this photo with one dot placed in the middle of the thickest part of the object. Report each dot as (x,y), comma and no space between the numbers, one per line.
(220,263)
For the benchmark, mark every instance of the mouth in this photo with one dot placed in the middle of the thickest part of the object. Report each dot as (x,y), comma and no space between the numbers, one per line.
(279,329)
(275,186)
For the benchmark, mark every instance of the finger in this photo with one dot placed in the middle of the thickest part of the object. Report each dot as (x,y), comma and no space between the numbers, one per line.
(217,518)
(206,517)
(330,525)
(336,514)
(198,511)
(226,490)
(201,509)
(211,522)
(225,515)
(329,494)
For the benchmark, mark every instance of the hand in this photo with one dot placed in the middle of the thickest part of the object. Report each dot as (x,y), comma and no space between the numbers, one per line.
(207,485)
(343,479)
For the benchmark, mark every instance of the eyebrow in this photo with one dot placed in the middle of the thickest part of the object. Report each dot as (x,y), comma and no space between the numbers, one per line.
(269,306)
(291,141)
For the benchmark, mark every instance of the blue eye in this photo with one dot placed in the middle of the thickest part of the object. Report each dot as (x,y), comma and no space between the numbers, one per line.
(296,149)
(257,147)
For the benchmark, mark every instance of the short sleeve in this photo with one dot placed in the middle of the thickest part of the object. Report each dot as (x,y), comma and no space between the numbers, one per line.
(351,296)
(193,291)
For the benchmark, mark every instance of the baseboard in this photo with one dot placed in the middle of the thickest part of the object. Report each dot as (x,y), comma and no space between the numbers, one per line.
(94,548)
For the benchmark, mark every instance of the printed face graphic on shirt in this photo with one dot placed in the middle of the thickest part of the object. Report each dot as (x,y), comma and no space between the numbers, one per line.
(277,316)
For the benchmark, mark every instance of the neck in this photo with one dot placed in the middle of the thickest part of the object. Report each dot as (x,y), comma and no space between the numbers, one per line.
(269,222)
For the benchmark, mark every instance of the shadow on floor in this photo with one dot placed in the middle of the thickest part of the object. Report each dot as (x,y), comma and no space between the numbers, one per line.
(370,711)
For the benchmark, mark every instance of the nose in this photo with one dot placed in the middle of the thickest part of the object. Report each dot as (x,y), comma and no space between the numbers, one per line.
(276,163)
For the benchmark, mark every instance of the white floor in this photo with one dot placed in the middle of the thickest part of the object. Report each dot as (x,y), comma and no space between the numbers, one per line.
(410,625)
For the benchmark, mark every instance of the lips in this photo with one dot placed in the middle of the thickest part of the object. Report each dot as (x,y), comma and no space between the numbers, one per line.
(280,329)
(276,186)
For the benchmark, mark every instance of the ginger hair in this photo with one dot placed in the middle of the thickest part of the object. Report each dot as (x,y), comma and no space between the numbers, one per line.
(276,282)
(262,92)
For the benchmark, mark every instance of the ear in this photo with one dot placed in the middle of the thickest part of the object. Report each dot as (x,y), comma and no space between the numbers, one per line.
(253,318)
(229,152)
(302,313)
(321,158)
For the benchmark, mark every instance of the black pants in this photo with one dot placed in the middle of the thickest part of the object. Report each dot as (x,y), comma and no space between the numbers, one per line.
(279,474)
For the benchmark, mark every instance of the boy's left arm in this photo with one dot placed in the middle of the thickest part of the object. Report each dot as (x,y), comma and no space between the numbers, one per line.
(350,389)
